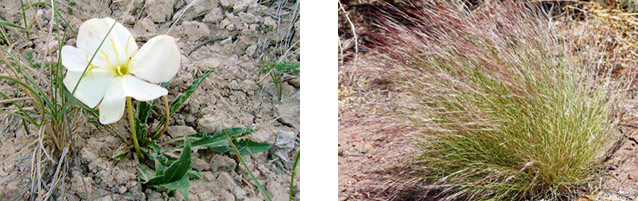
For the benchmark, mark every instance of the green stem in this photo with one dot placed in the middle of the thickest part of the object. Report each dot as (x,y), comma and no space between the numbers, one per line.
(292,177)
(131,122)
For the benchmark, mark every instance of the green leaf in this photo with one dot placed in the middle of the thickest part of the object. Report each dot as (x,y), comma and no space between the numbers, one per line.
(194,174)
(232,132)
(182,97)
(159,167)
(143,111)
(177,170)
(146,174)
(180,186)
(218,139)
(247,146)
(120,153)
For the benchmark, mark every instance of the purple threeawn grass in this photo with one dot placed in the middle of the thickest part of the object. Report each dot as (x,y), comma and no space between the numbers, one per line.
(508,108)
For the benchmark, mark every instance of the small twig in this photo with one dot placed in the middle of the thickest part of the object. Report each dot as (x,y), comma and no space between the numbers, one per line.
(14,99)
(180,16)
(629,125)
(168,115)
(210,41)
(55,179)
(617,145)
(354,33)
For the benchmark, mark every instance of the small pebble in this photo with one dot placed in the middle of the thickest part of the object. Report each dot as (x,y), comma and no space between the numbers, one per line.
(122,190)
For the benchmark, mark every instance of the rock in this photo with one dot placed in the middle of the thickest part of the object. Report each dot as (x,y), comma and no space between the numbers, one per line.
(227,3)
(214,16)
(262,135)
(212,123)
(222,163)
(234,85)
(224,180)
(159,10)
(190,120)
(249,85)
(199,164)
(250,51)
(193,31)
(144,26)
(268,21)
(127,19)
(210,63)
(105,198)
(95,163)
(197,9)
(12,188)
(226,24)
(208,176)
(241,5)
(365,148)
(122,176)
(122,190)
(227,196)
(276,190)
(179,131)
(288,110)
(285,140)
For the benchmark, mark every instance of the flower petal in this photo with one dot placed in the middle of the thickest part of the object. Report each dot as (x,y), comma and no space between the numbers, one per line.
(73,58)
(92,87)
(112,106)
(140,89)
(157,61)
(117,45)
(76,59)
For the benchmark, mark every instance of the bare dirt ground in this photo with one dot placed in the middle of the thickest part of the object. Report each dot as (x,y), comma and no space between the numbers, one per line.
(235,37)
(374,163)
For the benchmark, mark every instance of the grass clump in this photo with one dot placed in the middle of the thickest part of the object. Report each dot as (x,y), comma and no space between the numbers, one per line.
(507,109)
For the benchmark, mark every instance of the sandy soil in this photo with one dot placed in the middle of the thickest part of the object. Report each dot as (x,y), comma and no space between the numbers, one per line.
(237,94)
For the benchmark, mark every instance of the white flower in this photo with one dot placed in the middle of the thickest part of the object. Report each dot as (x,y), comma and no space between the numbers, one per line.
(119,69)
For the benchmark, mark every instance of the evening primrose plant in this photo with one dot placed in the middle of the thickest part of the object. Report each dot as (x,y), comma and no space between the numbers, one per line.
(120,71)
(107,70)
(505,107)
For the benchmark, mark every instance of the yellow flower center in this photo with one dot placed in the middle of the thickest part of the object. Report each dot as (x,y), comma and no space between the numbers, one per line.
(120,68)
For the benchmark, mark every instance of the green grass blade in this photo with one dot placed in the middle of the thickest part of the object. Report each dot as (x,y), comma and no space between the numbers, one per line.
(292,177)
(261,188)
(9,24)
(181,98)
